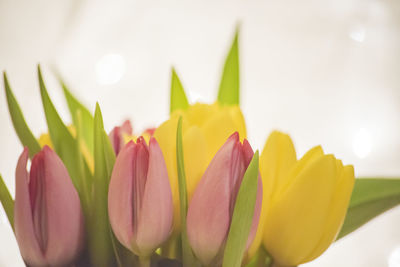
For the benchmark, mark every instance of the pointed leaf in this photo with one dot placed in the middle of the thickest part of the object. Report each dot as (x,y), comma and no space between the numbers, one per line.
(87,119)
(100,237)
(7,202)
(242,217)
(187,254)
(84,171)
(178,96)
(63,142)
(229,88)
(21,128)
(370,198)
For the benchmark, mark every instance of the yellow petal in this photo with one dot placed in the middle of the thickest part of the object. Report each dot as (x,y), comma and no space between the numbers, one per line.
(338,208)
(238,118)
(165,135)
(276,160)
(195,157)
(297,217)
(218,128)
(198,114)
(44,140)
(127,138)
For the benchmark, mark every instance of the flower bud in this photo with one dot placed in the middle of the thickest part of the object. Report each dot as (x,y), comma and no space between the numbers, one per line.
(48,218)
(139,197)
(211,208)
(117,135)
(205,128)
(306,202)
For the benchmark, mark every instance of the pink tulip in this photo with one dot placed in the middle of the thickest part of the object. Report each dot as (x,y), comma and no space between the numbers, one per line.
(211,208)
(139,197)
(48,218)
(117,135)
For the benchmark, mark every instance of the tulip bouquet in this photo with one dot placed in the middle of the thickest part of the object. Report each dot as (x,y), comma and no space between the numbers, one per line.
(190,192)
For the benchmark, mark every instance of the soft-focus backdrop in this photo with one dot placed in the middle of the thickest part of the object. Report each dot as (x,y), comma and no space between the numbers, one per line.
(325,71)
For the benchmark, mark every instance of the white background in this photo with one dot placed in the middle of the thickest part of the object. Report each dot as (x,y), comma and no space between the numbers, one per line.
(327,72)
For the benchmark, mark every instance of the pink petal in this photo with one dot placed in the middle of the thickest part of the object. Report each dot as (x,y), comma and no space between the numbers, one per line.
(38,200)
(24,230)
(116,136)
(64,214)
(115,139)
(126,127)
(120,195)
(155,221)
(140,168)
(208,218)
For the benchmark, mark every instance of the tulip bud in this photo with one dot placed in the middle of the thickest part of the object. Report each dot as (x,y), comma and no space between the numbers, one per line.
(48,218)
(139,197)
(117,135)
(211,208)
(307,201)
(205,128)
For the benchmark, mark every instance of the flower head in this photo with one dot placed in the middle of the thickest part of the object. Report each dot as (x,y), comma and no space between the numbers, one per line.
(305,201)
(48,218)
(205,129)
(139,197)
(211,209)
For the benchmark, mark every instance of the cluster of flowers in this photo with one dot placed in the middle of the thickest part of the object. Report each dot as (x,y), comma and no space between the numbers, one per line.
(190,192)
(310,194)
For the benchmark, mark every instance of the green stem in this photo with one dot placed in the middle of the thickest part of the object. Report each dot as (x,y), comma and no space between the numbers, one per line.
(144,261)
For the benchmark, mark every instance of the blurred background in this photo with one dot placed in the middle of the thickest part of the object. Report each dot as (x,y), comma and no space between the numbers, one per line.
(327,72)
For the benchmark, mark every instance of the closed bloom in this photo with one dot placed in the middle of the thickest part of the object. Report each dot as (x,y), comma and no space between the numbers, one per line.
(305,201)
(205,129)
(47,214)
(211,209)
(139,197)
(118,134)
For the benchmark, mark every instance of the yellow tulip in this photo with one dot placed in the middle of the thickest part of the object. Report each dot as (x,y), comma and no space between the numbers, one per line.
(304,202)
(205,129)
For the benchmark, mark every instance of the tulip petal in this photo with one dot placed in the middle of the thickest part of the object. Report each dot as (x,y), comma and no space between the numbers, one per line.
(166,138)
(314,187)
(140,168)
(209,212)
(218,128)
(198,114)
(155,221)
(23,221)
(338,209)
(238,118)
(276,160)
(195,154)
(120,196)
(64,216)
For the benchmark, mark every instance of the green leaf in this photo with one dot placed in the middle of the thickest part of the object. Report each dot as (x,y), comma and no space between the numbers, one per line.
(229,88)
(7,202)
(187,254)
(178,96)
(84,171)
(370,198)
(63,142)
(21,128)
(100,235)
(87,119)
(242,217)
